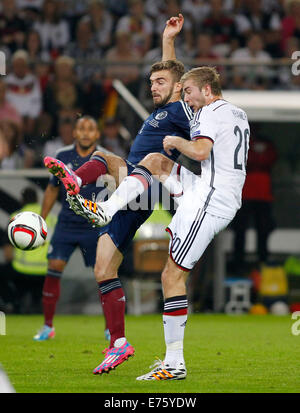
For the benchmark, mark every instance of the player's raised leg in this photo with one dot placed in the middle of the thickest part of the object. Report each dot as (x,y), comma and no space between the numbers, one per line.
(174,321)
(99,164)
(100,214)
(112,297)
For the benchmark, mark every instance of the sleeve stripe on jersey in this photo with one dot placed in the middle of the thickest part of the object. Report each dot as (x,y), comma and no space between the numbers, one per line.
(187,110)
(203,137)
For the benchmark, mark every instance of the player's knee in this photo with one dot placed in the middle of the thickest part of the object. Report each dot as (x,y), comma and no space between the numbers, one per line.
(56,265)
(103,272)
(153,161)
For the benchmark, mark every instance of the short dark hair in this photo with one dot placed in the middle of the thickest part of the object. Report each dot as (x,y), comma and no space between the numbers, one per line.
(174,66)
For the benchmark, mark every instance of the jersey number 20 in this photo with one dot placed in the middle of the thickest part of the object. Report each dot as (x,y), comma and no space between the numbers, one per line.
(240,135)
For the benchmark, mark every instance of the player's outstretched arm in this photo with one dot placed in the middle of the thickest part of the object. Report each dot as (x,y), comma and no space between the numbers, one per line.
(173,27)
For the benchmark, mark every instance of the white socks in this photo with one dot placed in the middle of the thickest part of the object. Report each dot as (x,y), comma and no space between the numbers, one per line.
(174,334)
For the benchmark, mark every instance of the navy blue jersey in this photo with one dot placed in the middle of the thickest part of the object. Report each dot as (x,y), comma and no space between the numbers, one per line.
(73,160)
(171,119)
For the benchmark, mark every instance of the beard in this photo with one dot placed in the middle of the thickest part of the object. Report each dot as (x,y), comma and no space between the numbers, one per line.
(164,101)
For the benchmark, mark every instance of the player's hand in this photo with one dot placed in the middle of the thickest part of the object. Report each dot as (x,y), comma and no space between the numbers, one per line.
(169,143)
(173,26)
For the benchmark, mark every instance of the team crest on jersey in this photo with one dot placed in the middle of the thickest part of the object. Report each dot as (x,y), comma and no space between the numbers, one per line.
(161,115)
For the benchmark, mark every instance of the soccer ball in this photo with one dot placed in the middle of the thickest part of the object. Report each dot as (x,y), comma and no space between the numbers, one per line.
(27,231)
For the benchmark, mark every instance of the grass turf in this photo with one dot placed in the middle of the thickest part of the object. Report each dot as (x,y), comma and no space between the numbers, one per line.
(224,354)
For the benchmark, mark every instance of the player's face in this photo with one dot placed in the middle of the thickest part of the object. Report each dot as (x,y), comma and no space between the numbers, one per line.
(86,133)
(193,96)
(162,87)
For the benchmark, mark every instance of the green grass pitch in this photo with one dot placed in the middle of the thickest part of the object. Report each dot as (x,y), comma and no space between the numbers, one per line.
(223,354)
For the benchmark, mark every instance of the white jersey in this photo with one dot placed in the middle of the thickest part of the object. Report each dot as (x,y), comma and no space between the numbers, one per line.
(223,173)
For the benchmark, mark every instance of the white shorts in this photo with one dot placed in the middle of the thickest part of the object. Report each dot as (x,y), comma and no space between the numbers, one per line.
(192,228)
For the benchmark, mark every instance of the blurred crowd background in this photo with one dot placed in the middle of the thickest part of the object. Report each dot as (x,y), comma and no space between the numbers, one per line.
(62,56)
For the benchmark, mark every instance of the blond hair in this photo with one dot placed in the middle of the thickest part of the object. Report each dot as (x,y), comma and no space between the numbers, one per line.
(202,76)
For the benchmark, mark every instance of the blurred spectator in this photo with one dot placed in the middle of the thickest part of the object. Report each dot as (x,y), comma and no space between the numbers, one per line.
(30,9)
(117,8)
(204,48)
(112,140)
(291,22)
(38,58)
(30,4)
(34,48)
(101,22)
(19,155)
(63,94)
(64,138)
(122,67)
(247,76)
(138,25)
(53,30)
(12,26)
(255,19)
(7,111)
(257,200)
(184,40)
(85,49)
(222,27)
(24,92)
(154,8)
(196,10)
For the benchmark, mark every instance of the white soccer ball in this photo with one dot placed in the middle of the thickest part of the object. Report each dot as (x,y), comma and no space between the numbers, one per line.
(27,231)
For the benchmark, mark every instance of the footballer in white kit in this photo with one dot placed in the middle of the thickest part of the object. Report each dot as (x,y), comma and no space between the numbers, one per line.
(210,201)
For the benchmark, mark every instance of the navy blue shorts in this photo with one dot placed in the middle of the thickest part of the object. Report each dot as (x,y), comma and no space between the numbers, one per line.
(67,238)
(125,223)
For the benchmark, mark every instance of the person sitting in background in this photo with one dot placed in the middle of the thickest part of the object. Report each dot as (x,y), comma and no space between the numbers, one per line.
(23,92)
(34,48)
(290,24)
(7,111)
(254,18)
(185,39)
(64,138)
(38,58)
(112,140)
(222,27)
(101,22)
(29,267)
(19,156)
(63,93)
(138,25)
(122,57)
(54,31)
(204,49)
(12,26)
(257,200)
(246,76)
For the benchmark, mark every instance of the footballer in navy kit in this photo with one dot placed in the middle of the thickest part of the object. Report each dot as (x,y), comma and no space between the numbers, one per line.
(170,117)
(71,231)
